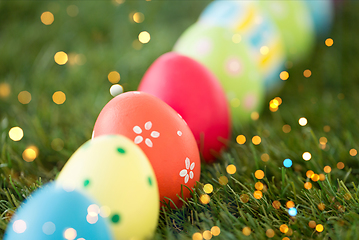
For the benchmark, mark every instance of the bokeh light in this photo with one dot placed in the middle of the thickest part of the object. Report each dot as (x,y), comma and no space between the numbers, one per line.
(116,89)
(4,90)
(236,38)
(138,17)
(114,77)
(329,42)
(340,165)
(205,199)
(19,226)
(208,188)
(197,236)
(312,224)
(61,58)
(223,180)
(254,116)
(256,140)
(307,73)
(207,235)
(292,212)
(302,121)
(265,157)
(59,97)
(246,231)
(72,10)
(47,18)
(24,97)
(286,128)
(283,228)
(259,174)
(16,134)
(241,139)
(319,228)
(105,211)
(276,204)
(231,169)
(321,206)
(70,234)
(270,233)
(264,50)
(287,163)
(306,156)
(144,37)
(284,75)
(244,198)
(290,204)
(353,152)
(258,186)
(323,140)
(309,174)
(215,231)
(315,177)
(327,169)
(308,185)
(30,153)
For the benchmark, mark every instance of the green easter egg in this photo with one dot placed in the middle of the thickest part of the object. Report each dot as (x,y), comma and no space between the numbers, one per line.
(232,62)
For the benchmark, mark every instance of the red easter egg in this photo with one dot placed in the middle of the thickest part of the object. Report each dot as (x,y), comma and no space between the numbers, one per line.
(196,94)
(163,136)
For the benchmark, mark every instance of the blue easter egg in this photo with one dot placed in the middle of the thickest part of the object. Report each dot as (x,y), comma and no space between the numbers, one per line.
(52,213)
(322,14)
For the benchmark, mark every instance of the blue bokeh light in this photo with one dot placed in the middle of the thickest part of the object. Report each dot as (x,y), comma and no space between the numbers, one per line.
(287,163)
(292,211)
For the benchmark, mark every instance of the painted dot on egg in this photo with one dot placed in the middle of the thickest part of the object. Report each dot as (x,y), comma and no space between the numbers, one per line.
(86,182)
(19,226)
(150,181)
(204,46)
(115,218)
(49,228)
(250,101)
(121,150)
(179,133)
(233,66)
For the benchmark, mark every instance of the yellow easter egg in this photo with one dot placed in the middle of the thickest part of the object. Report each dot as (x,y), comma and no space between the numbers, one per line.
(117,173)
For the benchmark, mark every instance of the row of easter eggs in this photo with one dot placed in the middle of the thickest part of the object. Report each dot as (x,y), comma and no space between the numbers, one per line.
(142,152)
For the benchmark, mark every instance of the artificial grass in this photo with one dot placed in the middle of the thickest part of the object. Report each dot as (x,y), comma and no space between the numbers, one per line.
(103,33)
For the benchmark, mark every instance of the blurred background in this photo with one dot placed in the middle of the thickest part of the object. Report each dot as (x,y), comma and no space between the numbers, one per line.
(58,60)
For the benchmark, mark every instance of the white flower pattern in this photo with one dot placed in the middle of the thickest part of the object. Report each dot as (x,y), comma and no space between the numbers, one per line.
(187,173)
(139,138)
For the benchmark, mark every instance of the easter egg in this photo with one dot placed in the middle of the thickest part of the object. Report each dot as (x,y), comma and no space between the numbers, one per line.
(322,14)
(163,136)
(295,26)
(232,63)
(246,18)
(195,93)
(117,173)
(51,213)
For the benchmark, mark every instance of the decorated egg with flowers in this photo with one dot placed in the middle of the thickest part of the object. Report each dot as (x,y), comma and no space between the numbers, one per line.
(231,62)
(163,136)
(196,94)
(117,173)
(55,213)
